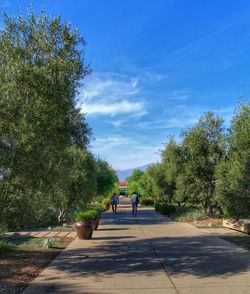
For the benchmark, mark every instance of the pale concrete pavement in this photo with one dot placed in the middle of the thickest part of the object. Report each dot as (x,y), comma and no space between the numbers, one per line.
(146,254)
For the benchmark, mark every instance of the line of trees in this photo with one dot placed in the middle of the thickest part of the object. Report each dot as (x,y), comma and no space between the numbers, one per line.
(45,163)
(209,167)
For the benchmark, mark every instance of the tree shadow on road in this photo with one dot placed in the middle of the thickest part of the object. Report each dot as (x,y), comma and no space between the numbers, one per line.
(202,256)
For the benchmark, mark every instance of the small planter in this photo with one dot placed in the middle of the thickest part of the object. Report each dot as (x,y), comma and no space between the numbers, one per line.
(84,229)
(96,223)
(84,223)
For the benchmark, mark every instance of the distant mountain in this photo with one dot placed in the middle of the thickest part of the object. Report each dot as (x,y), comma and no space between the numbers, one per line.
(123,174)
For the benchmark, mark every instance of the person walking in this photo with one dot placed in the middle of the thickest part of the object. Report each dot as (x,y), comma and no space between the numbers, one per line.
(134,201)
(114,202)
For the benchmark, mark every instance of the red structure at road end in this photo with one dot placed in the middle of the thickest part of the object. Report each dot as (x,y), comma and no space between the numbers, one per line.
(123,188)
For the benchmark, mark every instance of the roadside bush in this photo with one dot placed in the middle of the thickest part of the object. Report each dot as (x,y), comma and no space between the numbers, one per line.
(5,246)
(147,201)
(3,228)
(165,208)
(185,214)
(106,202)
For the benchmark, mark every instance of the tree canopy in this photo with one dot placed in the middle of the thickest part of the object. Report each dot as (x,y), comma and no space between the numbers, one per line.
(208,167)
(45,163)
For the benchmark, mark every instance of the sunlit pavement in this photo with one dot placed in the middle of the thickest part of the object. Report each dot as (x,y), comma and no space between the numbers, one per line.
(146,254)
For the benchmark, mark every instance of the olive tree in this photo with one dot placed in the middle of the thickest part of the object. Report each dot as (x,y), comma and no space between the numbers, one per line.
(41,68)
(233,172)
(203,148)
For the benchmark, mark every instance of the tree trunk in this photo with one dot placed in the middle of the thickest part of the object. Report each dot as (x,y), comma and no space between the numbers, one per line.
(62,215)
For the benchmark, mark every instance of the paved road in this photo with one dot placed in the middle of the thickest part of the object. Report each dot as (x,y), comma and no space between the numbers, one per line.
(146,254)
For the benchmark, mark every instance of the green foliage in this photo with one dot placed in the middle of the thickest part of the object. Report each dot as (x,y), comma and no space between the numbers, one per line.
(5,246)
(87,215)
(156,186)
(186,214)
(80,187)
(233,172)
(133,182)
(3,228)
(203,147)
(151,183)
(172,162)
(99,207)
(106,202)
(165,208)
(44,165)
(117,189)
(208,168)
(106,178)
(147,201)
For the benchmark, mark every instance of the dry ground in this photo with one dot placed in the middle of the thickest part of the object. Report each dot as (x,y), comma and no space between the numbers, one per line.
(19,266)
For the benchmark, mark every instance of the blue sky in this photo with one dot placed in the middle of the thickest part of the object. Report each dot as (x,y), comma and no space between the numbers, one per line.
(157,66)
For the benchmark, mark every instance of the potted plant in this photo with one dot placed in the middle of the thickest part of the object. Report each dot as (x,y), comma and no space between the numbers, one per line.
(84,224)
(99,208)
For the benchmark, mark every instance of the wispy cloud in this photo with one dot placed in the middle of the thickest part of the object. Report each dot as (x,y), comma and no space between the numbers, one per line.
(179,95)
(183,116)
(126,152)
(132,151)
(113,109)
(111,94)
(117,122)
(110,86)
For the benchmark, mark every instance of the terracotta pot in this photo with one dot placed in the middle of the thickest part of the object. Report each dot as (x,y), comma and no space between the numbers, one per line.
(84,230)
(96,223)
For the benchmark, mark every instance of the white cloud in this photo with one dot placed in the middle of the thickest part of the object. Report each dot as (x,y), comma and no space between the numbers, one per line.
(179,95)
(183,116)
(117,123)
(108,87)
(113,109)
(125,152)
(111,94)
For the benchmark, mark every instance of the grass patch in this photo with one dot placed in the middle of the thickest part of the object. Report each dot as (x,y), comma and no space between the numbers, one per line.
(241,241)
(26,243)
(187,214)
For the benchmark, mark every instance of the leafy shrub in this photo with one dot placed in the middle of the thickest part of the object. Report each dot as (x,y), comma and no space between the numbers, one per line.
(99,207)
(106,202)
(147,201)
(3,228)
(87,215)
(5,246)
(165,208)
(185,214)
